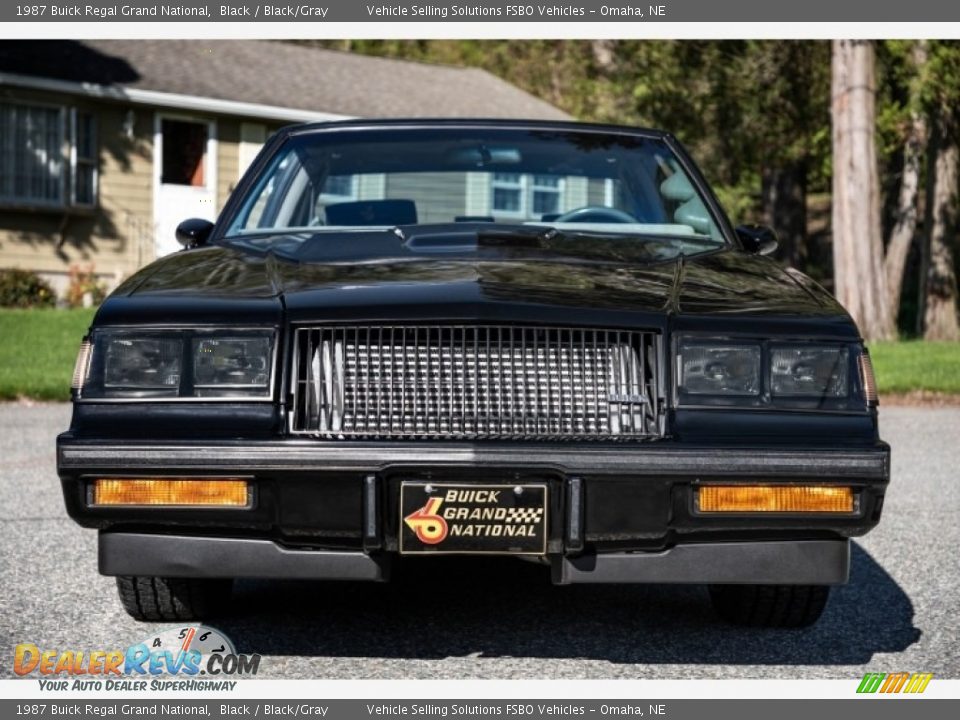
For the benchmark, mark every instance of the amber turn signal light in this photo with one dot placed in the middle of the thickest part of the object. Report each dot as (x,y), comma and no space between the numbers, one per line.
(775,498)
(222,492)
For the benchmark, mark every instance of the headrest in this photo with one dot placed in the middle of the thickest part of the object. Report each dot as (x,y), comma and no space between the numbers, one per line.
(677,187)
(372,212)
(695,214)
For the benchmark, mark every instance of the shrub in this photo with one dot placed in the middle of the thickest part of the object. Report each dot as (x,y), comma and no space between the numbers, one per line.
(24,289)
(84,281)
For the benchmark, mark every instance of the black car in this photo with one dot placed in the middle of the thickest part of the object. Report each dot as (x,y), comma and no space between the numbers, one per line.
(456,337)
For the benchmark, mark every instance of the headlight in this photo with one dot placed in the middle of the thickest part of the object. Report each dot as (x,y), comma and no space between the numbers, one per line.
(808,371)
(144,366)
(760,373)
(227,365)
(176,364)
(719,368)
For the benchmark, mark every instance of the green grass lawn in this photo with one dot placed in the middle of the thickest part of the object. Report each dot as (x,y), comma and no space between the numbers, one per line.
(37,352)
(38,348)
(903,367)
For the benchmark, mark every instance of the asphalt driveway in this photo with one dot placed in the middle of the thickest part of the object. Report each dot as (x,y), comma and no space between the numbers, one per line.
(502,618)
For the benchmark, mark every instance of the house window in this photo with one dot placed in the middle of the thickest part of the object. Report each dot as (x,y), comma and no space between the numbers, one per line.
(184,152)
(33,161)
(507,192)
(545,194)
(339,188)
(524,195)
(84,155)
(31,154)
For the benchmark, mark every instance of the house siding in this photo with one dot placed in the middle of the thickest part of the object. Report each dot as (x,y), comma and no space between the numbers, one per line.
(113,237)
(438,196)
(117,236)
(228,158)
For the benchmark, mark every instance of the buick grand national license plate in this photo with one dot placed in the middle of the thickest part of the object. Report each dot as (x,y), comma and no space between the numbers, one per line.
(461,518)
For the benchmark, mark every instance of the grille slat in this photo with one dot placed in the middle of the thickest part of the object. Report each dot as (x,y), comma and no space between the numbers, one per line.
(475,382)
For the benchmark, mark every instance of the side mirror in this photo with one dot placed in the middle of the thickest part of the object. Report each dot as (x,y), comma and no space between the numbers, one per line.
(193,232)
(757,239)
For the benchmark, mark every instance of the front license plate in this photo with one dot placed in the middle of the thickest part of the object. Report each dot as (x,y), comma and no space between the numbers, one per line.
(461,518)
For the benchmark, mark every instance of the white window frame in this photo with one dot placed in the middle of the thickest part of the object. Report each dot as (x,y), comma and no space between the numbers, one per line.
(43,203)
(519,186)
(76,160)
(211,154)
(526,186)
(557,190)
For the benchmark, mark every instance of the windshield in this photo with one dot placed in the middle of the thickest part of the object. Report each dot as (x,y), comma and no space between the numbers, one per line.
(623,187)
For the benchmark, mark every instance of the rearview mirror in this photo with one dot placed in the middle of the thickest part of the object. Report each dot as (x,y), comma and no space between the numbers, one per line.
(193,232)
(757,239)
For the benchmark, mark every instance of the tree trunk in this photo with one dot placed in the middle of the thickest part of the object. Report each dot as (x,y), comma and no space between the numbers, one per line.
(938,278)
(785,209)
(604,53)
(906,219)
(857,243)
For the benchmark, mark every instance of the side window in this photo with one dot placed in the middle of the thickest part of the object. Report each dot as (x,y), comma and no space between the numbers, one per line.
(507,192)
(48,156)
(31,155)
(545,194)
(83,171)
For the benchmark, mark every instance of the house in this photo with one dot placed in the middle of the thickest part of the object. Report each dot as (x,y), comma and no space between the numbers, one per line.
(105,145)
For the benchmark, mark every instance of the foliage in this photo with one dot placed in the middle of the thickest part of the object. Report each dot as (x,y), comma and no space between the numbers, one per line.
(83,285)
(37,358)
(749,111)
(39,350)
(24,289)
(940,79)
(739,105)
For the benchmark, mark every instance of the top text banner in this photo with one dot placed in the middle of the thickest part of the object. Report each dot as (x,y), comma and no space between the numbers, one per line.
(326,11)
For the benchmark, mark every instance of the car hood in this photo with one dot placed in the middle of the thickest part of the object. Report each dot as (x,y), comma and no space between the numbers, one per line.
(724,286)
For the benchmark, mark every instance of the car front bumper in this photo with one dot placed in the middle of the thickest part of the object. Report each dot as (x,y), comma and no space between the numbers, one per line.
(796,562)
(617,513)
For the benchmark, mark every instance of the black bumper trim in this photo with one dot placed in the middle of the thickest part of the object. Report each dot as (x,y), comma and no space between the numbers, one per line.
(800,562)
(868,463)
(215,557)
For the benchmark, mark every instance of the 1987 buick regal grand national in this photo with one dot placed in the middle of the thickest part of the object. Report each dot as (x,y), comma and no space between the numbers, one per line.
(424,337)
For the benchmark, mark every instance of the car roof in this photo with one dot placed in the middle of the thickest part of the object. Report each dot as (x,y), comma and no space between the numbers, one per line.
(519,124)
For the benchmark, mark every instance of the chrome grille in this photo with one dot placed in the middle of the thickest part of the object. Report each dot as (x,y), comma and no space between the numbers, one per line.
(470,382)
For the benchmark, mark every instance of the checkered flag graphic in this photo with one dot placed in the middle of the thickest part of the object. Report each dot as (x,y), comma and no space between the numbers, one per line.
(524,515)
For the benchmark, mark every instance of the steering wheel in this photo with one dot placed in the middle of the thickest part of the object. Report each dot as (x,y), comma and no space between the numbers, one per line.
(595,214)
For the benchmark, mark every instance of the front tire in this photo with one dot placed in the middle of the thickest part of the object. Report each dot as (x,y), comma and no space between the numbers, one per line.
(771,606)
(158,598)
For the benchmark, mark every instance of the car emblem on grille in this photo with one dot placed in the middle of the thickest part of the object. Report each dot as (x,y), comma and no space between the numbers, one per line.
(628,398)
